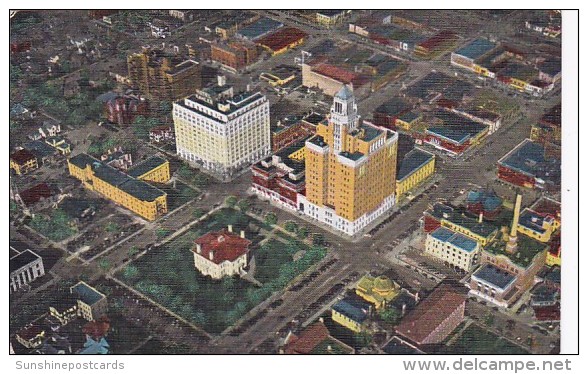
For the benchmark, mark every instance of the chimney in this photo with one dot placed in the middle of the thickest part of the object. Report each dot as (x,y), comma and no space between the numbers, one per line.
(211,255)
(511,246)
(481,217)
(321,320)
(198,248)
(230,228)
(243,234)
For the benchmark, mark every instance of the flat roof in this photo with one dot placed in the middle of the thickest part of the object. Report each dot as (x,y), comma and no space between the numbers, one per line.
(146,166)
(526,157)
(87,294)
(352,156)
(259,28)
(413,161)
(532,220)
(352,308)
(394,107)
(82,160)
(317,140)
(494,276)
(235,103)
(22,259)
(282,38)
(476,48)
(460,241)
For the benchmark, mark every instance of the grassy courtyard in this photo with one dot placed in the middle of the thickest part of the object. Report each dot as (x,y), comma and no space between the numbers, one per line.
(476,340)
(167,274)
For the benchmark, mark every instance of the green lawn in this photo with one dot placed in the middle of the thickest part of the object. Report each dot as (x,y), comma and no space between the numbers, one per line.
(167,274)
(475,341)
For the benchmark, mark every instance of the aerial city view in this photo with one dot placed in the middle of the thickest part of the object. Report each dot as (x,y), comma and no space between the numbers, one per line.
(285,182)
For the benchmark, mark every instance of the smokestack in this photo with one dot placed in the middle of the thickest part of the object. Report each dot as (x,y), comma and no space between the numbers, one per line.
(243,234)
(481,217)
(517,212)
(211,255)
(511,246)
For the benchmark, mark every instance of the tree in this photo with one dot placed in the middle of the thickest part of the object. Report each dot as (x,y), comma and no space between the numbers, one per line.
(112,227)
(271,219)
(161,233)
(244,205)
(291,226)
(302,232)
(133,251)
(489,320)
(230,201)
(104,264)
(390,315)
(197,213)
(318,239)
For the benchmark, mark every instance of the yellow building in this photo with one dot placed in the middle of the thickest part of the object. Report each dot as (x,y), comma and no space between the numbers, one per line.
(414,169)
(378,291)
(350,169)
(91,303)
(537,226)
(408,120)
(352,313)
(154,169)
(23,161)
(330,17)
(133,194)
(59,144)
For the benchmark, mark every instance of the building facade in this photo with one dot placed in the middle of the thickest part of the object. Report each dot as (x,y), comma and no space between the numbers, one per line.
(453,248)
(221,254)
(225,135)
(133,194)
(25,267)
(235,56)
(415,168)
(352,313)
(161,77)
(23,161)
(345,160)
(91,303)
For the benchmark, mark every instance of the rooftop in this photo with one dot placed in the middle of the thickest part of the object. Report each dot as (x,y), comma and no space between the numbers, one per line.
(551,66)
(235,103)
(185,65)
(339,74)
(353,308)
(393,107)
(259,28)
(330,12)
(22,156)
(487,198)
(460,241)
(518,71)
(529,158)
(146,166)
(224,245)
(87,294)
(413,161)
(314,118)
(397,346)
(318,140)
(282,38)
(476,49)
(430,313)
(527,249)
(494,276)
(408,117)
(22,259)
(352,156)
(36,193)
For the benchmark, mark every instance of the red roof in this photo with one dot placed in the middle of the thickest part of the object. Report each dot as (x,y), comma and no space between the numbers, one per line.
(337,73)
(34,194)
(282,38)
(224,245)
(547,313)
(30,332)
(308,339)
(22,156)
(97,329)
(430,313)
(437,39)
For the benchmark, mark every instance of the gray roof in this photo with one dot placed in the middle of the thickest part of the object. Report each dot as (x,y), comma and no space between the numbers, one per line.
(22,259)
(345,93)
(476,48)
(146,166)
(86,293)
(413,161)
(353,309)
(494,276)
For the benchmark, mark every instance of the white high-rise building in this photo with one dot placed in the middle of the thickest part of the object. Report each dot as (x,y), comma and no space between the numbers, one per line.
(221,132)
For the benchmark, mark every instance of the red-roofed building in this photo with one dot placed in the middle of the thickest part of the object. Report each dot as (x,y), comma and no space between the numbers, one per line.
(434,318)
(315,339)
(34,194)
(435,43)
(282,40)
(222,253)
(31,336)
(23,161)
(330,78)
